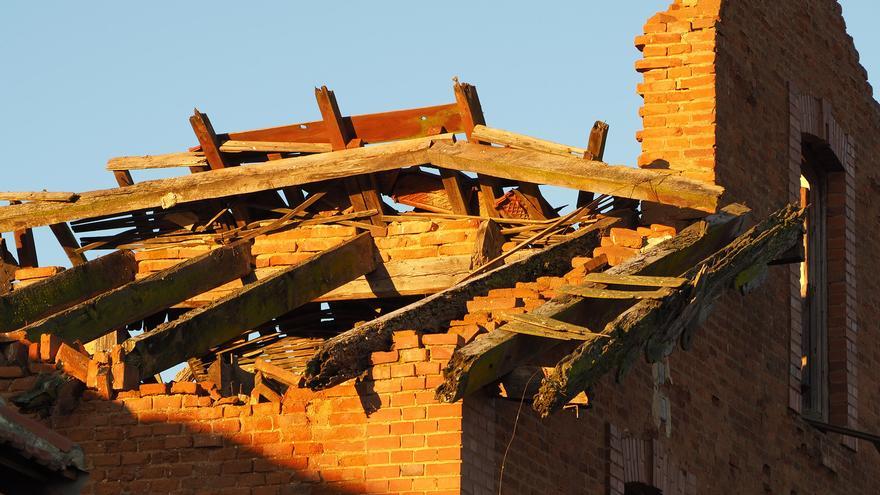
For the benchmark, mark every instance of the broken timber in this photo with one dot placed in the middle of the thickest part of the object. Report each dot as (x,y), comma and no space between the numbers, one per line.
(490,357)
(231,181)
(656,325)
(199,330)
(72,286)
(348,355)
(139,299)
(576,173)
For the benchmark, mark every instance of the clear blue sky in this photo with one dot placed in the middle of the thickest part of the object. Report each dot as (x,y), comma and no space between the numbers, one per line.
(86,81)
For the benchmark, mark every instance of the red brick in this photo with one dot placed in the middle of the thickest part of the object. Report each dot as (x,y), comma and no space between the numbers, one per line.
(153,389)
(190,388)
(441,339)
(384,357)
(49,345)
(405,339)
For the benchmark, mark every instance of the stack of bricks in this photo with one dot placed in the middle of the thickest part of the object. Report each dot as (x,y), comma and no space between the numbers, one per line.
(29,276)
(623,244)
(678,67)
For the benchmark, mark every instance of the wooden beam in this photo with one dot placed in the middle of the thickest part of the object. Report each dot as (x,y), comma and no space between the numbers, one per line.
(208,141)
(72,286)
(348,354)
(595,152)
(185,159)
(220,183)
(141,298)
(25,247)
(490,357)
(523,142)
(68,243)
(471,116)
(362,191)
(544,168)
(454,190)
(197,331)
(655,326)
(488,243)
(61,197)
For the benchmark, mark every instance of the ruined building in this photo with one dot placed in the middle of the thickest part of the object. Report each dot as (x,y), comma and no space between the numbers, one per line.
(386,303)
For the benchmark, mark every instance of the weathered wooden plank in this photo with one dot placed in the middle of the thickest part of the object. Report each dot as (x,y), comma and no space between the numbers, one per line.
(25,248)
(348,354)
(533,324)
(141,298)
(584,175)
(605,278)
(220,183)
(168,160)
(454,191)
(655,326)
(490,357)
(523,142)
(232,146)
(597,293)
(199,330)
(61,197)
(72,286)
(68,243)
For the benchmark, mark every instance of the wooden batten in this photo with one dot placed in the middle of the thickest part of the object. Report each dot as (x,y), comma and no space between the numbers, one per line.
(60,197)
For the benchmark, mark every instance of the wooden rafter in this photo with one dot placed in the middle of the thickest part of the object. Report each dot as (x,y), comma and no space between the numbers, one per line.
(197,331)
(141,298)
(348,354)
(65,289)
(492,356)
(362,191)
(68,243)
(595,151)
(655,326)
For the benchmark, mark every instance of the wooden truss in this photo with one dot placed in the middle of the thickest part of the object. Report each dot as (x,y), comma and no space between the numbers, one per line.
(343,171)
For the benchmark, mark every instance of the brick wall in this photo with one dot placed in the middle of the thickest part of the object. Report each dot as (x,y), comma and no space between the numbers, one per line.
(384,433)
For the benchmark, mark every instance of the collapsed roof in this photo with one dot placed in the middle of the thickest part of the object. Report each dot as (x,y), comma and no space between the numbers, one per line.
(279,256)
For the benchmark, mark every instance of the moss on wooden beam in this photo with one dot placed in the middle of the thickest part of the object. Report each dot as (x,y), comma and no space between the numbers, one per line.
(28,304)
(139,299)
